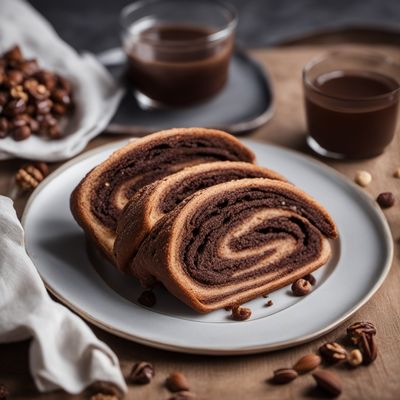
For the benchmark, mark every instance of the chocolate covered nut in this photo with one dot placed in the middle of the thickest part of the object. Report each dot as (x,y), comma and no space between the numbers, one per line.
(46,78)
(54,132)
(333,352)
(48,126)
(59,109)
(4,125)
(386,200)
(301,287)
(142,373)
(34,125)
(177,382)
(284,375)
(29,67)
(3,99)
(14,54)
(307,363)
(62,83)
(61,96)
(20,120)
(21,133)
(14,77)
(15,107)
(147,298)
(328,382)
(44,106)
(396,173)
(240,313)
(310,278)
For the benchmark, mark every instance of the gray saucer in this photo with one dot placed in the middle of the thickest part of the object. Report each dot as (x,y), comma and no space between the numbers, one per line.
(244,104)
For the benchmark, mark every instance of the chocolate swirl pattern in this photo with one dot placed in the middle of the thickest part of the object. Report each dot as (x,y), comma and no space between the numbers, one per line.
(97,201)
(154,201)
(231,242)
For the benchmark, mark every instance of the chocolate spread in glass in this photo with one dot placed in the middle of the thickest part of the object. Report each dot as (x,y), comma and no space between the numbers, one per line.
(179,64)
(352,112)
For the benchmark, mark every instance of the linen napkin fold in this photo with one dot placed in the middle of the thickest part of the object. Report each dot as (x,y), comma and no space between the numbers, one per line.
(96,94)
(64,352)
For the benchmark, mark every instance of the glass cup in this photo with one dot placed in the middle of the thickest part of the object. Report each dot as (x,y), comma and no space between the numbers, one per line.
(178,51)
(351,103)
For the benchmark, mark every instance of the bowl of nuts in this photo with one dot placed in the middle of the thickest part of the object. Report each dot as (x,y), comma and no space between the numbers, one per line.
(33,100)
(52,103)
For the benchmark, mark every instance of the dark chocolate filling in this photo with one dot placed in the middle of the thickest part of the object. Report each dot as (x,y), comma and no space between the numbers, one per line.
(226,212)
(154,161)
(183,189)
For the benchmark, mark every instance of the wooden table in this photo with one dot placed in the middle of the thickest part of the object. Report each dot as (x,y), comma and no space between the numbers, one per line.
(245,377)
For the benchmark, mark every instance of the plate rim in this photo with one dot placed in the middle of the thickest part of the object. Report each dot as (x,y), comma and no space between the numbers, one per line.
(236,350)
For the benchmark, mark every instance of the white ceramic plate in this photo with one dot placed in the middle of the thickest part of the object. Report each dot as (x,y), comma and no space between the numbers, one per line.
(96,291)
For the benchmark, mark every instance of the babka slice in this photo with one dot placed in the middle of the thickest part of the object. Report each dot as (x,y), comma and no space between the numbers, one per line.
(153,201)
(99,198)
(232,242)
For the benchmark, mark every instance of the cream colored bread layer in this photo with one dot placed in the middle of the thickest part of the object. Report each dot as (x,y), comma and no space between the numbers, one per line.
(152,202)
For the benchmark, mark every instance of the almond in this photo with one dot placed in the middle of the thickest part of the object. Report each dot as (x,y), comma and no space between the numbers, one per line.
(284,375)
(177,382)
(307,363)
(328,381)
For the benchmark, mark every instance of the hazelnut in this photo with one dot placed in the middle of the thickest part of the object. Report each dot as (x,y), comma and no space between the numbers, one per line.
(301,287)
(363,178)
(386,200)
(21,133)
(355,358)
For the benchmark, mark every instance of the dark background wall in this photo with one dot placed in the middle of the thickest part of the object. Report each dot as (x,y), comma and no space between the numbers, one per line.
(93,24)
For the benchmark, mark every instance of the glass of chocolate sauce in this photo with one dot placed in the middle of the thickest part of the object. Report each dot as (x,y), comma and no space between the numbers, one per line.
(178,51)
(351,102)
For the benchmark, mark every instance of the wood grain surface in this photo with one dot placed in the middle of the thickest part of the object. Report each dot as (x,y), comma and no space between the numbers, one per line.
(245,377)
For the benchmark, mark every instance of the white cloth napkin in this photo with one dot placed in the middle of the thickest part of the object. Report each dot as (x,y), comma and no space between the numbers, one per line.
(64,352)
(96,94)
